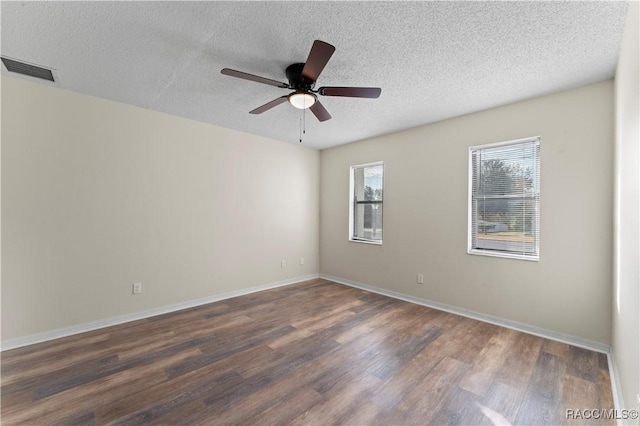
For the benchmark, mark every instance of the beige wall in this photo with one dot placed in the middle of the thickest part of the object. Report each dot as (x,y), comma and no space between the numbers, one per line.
(626,295)
(97,195)
(425,215)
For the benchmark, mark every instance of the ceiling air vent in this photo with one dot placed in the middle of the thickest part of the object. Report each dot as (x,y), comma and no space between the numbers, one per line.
(27,69)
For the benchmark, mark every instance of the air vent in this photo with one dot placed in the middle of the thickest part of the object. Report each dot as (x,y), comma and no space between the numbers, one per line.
(27,69)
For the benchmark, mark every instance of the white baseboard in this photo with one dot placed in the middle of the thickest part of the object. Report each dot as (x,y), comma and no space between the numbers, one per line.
(525,328)
(107,322)
(616,390)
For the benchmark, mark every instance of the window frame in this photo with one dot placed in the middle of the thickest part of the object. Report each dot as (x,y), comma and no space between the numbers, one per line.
(497,253)
(353,202)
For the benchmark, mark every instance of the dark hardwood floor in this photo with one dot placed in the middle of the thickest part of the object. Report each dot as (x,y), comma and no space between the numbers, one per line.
(311,353)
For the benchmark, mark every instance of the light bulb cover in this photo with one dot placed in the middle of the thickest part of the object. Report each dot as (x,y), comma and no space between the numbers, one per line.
(302,100)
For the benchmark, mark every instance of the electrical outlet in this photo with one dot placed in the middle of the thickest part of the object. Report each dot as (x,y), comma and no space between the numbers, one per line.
(420,279)
(283,263)
(302,260)
(137,288)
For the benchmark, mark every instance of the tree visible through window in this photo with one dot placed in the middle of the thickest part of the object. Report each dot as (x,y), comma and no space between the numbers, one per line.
(366,203)
(504,199)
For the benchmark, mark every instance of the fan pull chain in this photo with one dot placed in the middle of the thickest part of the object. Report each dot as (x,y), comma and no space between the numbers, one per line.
(303,124)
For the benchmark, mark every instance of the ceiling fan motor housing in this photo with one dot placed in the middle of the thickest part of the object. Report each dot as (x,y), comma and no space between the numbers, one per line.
(296,80)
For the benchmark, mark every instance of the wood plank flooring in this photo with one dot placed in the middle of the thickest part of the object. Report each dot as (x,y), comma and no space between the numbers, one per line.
(311,353)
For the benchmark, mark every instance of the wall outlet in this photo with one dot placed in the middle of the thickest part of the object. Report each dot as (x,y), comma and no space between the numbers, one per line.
(137,288)
(283,263)
(420,279)
(302,260)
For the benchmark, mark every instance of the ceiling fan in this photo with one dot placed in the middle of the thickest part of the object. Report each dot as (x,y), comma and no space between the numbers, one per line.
(302,79)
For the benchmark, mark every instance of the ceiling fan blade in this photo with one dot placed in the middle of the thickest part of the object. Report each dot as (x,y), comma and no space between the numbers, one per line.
(318,57)
(319,111)
(269,105)
(352,92)
(251,77)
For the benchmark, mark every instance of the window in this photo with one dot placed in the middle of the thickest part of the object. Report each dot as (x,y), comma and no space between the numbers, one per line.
(504,199)
(365,212)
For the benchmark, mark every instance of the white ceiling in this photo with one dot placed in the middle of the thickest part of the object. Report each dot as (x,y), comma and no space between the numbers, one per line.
(433,60)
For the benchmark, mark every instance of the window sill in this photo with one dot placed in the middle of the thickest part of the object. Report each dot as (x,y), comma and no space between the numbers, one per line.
(503,255)
(375,243)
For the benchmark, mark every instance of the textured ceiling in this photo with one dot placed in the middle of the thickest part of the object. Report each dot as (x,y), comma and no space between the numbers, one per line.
(433,60)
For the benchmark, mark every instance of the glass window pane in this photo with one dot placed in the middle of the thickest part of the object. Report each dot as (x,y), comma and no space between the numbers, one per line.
(369,183)
(506,225)
(368,221)
(373,182)
(504,176)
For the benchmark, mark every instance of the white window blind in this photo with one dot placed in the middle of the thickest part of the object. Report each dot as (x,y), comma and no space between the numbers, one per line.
(504,202)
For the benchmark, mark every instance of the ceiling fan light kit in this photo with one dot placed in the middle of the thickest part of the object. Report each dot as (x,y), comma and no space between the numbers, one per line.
(302,100)
(302,79)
